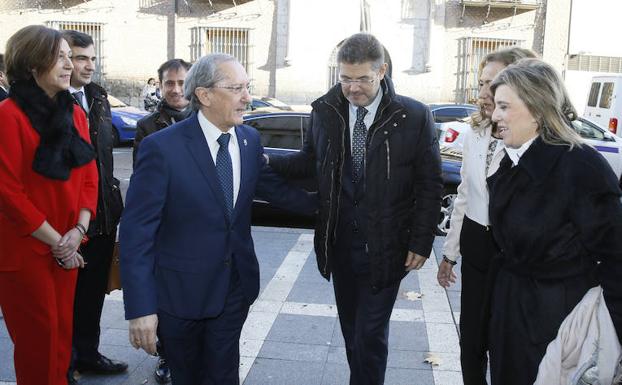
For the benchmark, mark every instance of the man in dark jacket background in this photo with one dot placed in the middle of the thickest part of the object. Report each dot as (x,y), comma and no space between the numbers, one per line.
(97,252)
(378,169)
(172,108)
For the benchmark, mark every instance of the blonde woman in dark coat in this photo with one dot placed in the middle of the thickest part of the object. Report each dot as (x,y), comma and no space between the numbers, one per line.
(556,216)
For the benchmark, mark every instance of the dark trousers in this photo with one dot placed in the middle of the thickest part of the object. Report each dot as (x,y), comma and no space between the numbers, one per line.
(90,293)
(364,316)
(206,351)
(477,248)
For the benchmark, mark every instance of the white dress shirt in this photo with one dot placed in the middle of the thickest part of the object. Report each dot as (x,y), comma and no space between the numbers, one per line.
(84,102)
(472,198)
(212,133)
(516,153)
(369,117)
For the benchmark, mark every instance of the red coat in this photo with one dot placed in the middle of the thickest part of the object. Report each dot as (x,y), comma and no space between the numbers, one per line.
(27,198)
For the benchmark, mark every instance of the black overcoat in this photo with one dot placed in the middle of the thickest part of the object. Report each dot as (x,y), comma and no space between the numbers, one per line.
(557,219)
(402,184)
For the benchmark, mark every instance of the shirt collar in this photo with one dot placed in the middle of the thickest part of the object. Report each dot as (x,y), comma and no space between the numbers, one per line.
(372,108)
(211,132)
(74,90)
(516,153)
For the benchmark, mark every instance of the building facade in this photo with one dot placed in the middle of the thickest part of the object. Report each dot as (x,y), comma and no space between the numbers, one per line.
(289,46)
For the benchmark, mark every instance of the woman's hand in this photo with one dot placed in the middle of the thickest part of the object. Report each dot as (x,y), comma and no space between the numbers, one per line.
(445,275)
(75,261)
(68,245)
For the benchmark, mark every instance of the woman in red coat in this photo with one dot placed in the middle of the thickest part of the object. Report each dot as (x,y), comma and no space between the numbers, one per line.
(47,196)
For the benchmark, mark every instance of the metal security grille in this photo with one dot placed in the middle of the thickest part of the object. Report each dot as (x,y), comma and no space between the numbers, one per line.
(232,41)
(95,30)
(591,63)
(471,52)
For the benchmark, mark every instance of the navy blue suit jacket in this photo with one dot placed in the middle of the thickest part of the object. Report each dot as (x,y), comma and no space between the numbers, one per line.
(176,243)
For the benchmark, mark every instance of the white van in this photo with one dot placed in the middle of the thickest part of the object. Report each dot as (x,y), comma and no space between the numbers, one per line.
(603,106)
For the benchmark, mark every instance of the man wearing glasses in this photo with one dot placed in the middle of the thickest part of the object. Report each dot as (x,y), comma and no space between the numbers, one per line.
(187,259)
(378,169)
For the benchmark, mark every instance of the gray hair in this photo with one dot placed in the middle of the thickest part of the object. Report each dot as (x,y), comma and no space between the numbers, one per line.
(361,48)
(204,73)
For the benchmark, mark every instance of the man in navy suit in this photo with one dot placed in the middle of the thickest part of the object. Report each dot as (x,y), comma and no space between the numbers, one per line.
(188,263)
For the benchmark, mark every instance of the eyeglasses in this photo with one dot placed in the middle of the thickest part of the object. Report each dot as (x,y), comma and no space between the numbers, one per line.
(235,89)
(360,82)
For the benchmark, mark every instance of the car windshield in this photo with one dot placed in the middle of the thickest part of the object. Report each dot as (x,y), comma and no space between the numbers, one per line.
(114,102)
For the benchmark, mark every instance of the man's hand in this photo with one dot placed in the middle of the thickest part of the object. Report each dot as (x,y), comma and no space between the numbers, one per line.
(445,275)
(143,333)
(414,261)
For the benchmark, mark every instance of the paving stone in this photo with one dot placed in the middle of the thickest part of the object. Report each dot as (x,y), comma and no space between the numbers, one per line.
(408,336)
(335,374)
(7,370)
(294,352)
(283,372)
(302,329)
(398,376)
(311,292)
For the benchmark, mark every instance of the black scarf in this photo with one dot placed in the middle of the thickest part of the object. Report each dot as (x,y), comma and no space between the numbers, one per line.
(61,148)
(174,113)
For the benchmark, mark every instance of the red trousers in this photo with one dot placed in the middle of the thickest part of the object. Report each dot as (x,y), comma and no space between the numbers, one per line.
(37,303)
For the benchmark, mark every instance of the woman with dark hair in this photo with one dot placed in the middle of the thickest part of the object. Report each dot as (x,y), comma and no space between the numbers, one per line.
(556,216)
(469,235)
(47,196)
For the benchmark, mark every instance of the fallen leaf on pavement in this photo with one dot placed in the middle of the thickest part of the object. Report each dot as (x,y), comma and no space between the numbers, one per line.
(432,359)
(412,295)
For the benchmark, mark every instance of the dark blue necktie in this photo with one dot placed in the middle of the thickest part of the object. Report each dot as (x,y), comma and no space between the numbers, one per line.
(225,171)
(359,135)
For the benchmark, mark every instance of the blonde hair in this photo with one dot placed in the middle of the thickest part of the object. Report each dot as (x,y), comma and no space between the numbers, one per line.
(507,56)
(539,86)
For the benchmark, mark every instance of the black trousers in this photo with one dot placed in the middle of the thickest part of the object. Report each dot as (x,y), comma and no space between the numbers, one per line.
(206,351)
(90,293)
(477,249)
(364,316)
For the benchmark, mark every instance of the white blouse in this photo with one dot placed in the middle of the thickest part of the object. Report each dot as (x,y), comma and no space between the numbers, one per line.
(472,199)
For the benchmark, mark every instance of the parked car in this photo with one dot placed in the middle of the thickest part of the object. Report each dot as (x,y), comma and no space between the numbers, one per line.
(284,131)
(124,119)
(604,102)
(264,101)
(451,134)
(450,112)
(609,145)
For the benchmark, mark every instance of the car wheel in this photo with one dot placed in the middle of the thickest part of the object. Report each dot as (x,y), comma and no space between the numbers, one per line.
(447,208)
(115,137)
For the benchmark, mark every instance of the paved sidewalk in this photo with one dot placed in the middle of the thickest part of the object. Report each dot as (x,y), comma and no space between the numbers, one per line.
(292,334)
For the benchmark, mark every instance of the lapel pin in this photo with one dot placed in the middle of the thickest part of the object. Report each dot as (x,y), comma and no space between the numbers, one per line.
(245,142)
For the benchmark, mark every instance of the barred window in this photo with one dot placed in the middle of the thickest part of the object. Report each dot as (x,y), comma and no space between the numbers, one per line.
(471,52)
(95,30)
(592,63)
(232,41)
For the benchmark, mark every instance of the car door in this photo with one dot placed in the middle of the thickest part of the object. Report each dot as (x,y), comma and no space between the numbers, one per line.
(602,141)
(282,134)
